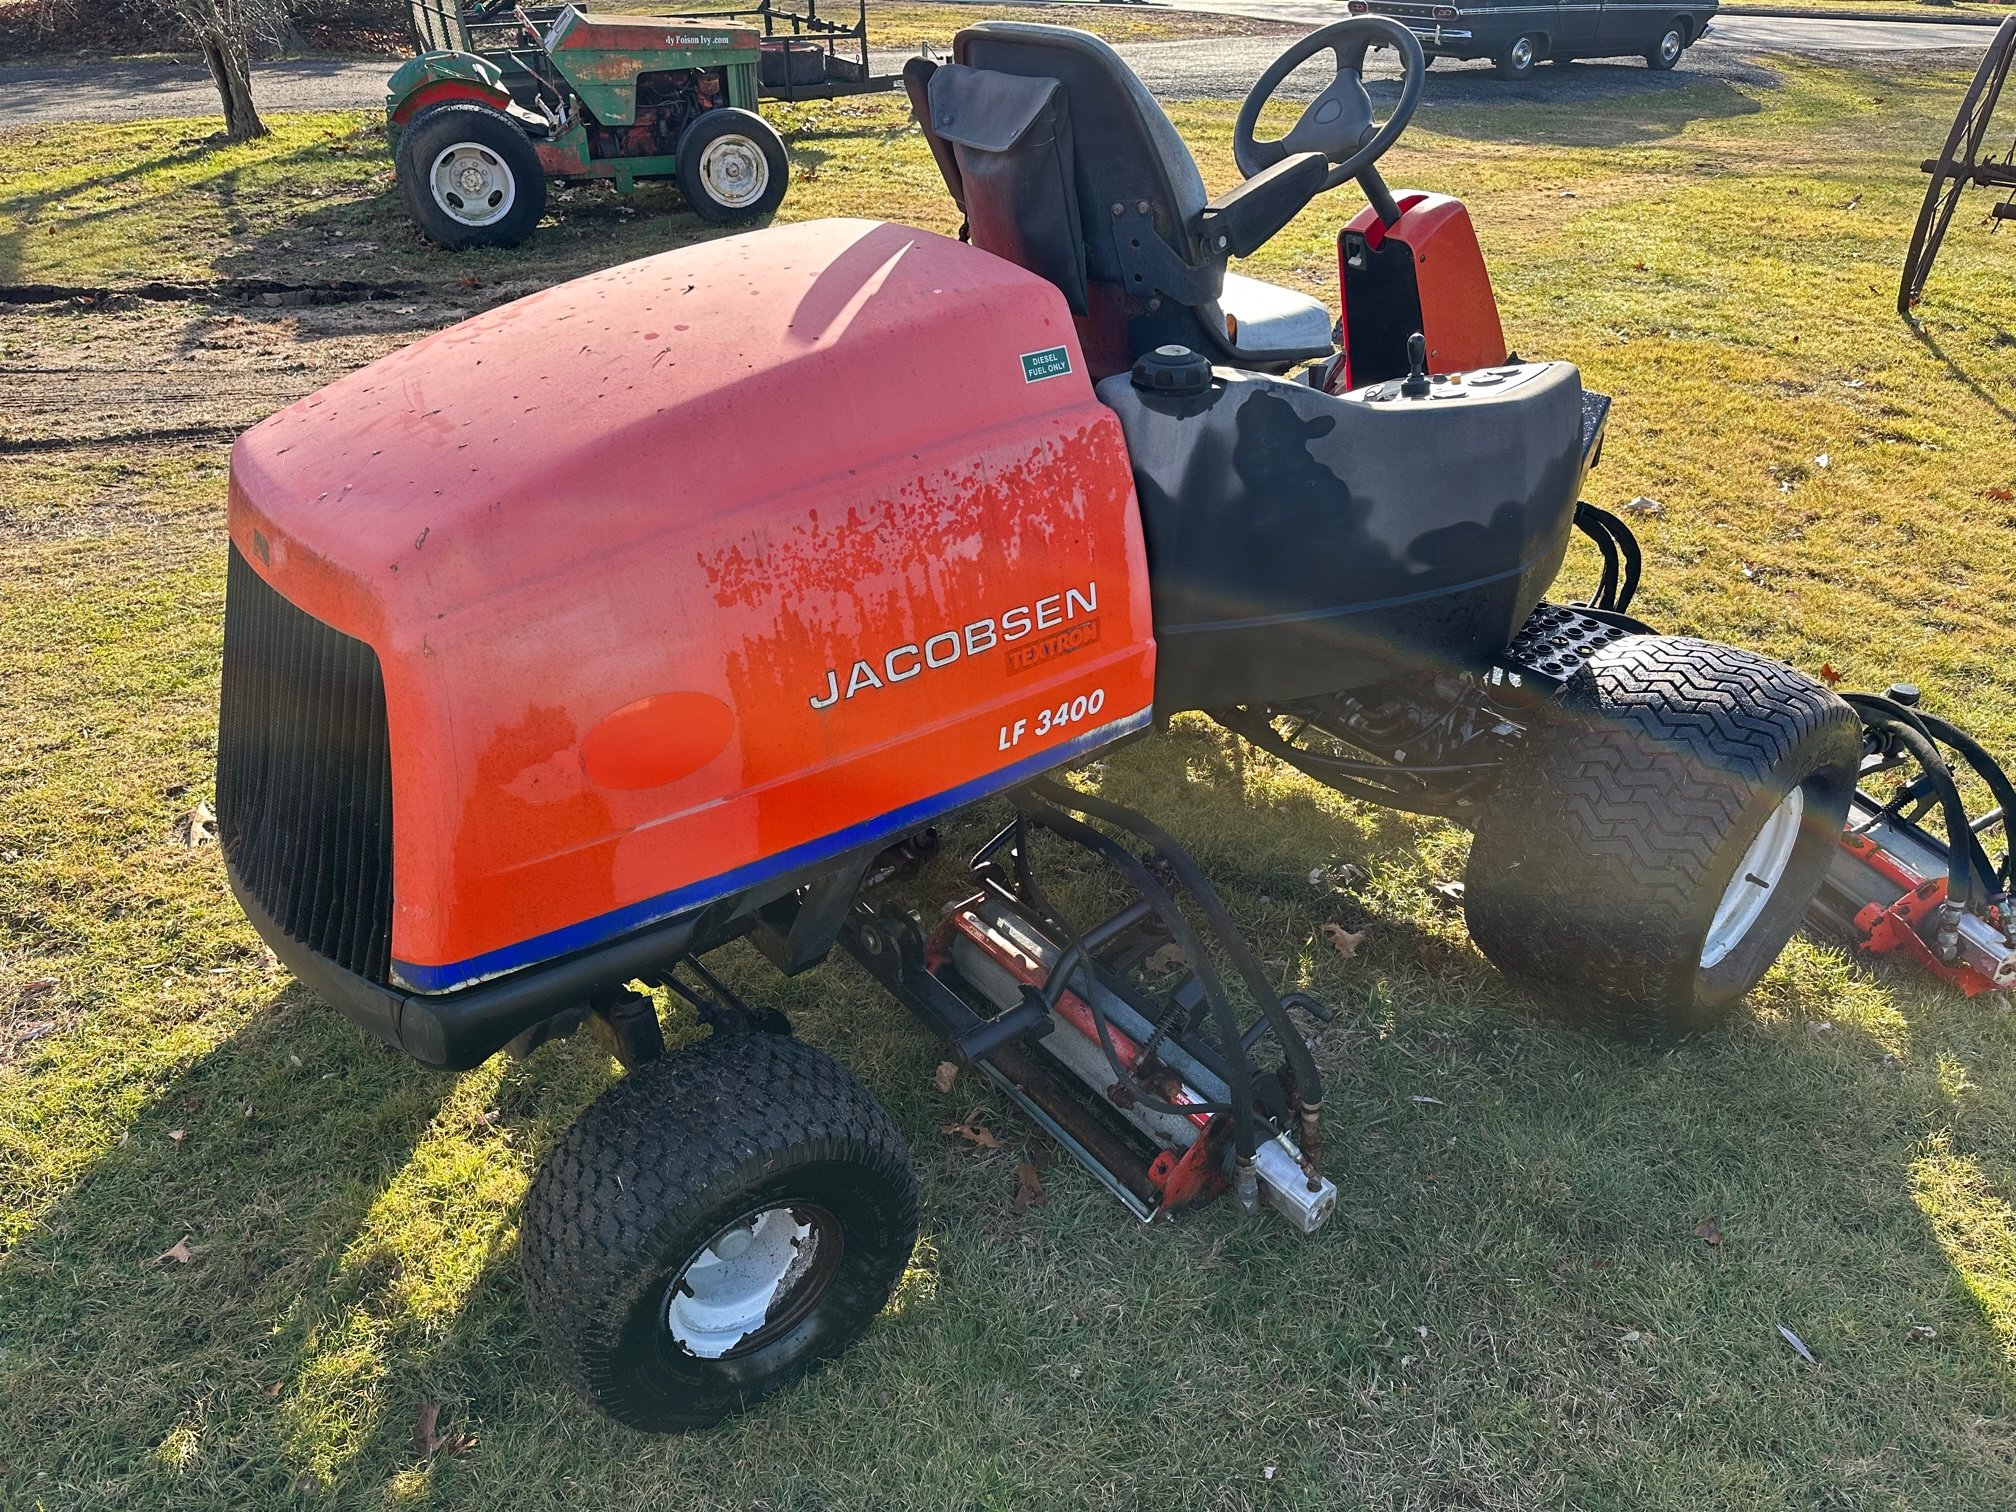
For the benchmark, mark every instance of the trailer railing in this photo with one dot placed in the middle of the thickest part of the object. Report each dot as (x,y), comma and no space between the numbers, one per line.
(806,55)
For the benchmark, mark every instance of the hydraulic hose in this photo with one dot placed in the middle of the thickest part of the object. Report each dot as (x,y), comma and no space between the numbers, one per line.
(1910,732)
(1991,774)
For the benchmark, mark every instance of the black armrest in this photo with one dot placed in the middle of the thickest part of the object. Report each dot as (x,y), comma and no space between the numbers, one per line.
(1240,222)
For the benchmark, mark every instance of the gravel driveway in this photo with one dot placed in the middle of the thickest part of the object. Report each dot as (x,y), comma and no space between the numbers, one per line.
(40,93)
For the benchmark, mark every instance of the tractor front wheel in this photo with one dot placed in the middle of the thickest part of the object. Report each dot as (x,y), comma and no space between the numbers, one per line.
(470,178)
(1671,820)
(732,166)
(713,1226)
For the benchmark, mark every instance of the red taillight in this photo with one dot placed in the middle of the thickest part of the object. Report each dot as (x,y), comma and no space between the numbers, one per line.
(1445,13)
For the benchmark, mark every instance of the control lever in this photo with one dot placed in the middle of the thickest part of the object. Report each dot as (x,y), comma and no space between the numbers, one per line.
(1416,384)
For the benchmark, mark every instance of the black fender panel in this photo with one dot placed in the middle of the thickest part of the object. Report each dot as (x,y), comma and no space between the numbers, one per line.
(1303,543)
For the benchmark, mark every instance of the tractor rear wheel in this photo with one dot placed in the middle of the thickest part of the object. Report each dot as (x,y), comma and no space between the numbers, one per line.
(1673,817)
(732,166)
(712,1227)
(469,177)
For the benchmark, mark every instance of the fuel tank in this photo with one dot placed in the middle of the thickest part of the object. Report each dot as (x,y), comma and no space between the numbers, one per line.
(1303,543)
(663,585)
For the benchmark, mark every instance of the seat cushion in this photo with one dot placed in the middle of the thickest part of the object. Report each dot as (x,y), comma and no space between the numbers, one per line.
(1265,324)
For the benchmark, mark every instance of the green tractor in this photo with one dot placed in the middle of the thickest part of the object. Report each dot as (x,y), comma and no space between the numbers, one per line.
(501,98)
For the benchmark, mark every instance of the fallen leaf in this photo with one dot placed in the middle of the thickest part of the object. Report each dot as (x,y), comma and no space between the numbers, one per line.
(1798,1345)
(198,827)
(2000,495)
(1644,506)
(1346,942)
(179,1252)
(1028,1189)
(176,1136)
(946,1074)
(1828,675)
(1168,957)
(1434,956)
(1709,1231)
(428,1441)
(274,1388)
(973,1132)
(27,992)
(1923,1333)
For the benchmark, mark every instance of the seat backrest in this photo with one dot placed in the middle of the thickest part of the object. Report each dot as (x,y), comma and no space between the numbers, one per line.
(1137,188)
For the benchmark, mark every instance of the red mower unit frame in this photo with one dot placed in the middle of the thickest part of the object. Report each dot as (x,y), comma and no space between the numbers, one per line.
(551,666)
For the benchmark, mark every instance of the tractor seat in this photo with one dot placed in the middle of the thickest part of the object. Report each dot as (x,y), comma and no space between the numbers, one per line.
(1064,163)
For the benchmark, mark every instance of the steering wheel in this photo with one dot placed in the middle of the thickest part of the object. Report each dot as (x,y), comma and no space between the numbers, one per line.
(1338,122)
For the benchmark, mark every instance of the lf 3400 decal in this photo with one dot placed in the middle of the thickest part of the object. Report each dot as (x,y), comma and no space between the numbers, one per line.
(1031,634)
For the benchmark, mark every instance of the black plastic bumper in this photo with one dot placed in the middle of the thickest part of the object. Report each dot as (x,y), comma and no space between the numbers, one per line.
(457,1030)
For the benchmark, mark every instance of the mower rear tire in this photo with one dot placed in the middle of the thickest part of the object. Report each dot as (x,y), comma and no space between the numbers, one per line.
(712,1227)
(469,177)
(1665,53)
(732,166)
(1671,820)
(1517,58)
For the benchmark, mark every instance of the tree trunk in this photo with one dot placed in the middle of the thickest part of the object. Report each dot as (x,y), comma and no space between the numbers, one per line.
(231,70)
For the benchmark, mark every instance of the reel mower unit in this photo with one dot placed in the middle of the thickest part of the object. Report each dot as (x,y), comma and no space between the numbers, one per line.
(530,705)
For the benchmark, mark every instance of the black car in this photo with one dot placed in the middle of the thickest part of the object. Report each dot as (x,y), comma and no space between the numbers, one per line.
(1517,36)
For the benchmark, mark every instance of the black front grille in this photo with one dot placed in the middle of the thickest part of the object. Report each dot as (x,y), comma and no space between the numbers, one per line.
(304,777)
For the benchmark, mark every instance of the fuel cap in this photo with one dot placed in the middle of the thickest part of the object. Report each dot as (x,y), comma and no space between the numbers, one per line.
(1172,370)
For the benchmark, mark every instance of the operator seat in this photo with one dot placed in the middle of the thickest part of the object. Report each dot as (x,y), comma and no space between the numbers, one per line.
(1063,162)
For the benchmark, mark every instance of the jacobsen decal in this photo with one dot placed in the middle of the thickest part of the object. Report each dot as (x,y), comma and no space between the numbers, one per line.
(1051,362)
(1062,623)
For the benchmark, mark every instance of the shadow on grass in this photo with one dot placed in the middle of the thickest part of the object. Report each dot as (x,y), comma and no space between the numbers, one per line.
(1503,1180)
(1609,103)
(1997,400)
(286,1160)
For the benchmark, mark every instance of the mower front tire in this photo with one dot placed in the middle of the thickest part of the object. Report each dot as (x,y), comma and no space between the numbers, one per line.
(713,1226)
(732,166)
(469,177)
(1671,820)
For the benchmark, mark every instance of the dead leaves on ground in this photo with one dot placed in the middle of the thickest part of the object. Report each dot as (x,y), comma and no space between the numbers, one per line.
(1345,942)
(429,1441)
(973,1132)
(198,827)
(943,1078)
(1709,1232)
(1028,1189)
(179,1252)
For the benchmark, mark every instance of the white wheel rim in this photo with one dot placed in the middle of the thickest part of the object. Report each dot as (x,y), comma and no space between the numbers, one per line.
(734,171)
(1756,880)
(1522,53)
(741,1277)
(1669,46)
(472,184)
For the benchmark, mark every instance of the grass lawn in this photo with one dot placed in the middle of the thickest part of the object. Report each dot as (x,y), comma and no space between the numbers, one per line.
(242,1250)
